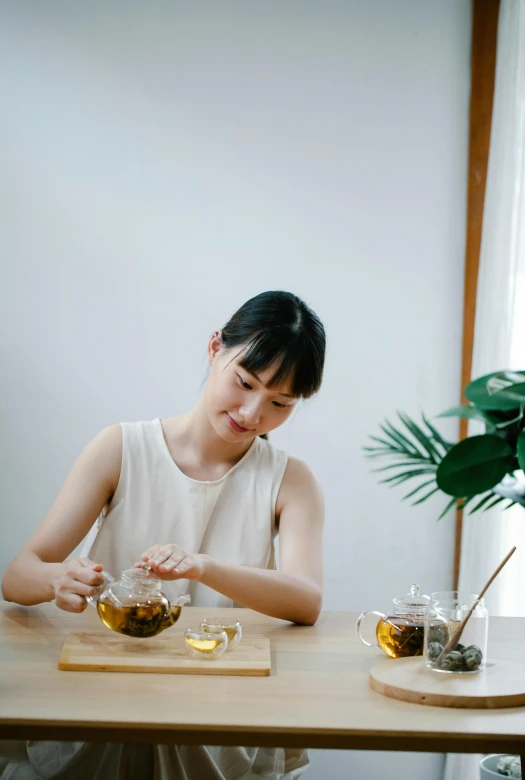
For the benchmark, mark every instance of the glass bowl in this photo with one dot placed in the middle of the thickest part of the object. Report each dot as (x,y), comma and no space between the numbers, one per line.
(231,626)
(206,646)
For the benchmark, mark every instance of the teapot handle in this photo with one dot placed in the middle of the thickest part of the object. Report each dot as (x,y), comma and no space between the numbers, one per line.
(108,579)
(358,626)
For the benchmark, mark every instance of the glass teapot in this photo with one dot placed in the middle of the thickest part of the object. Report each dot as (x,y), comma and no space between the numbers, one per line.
(135,605)
(400,634)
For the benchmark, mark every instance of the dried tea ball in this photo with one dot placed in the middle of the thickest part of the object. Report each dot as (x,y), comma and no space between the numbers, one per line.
(438,633)
(433,650)
(510,766)
(515,769)
(452,661)
(474,647)
(472,658)
(460,647)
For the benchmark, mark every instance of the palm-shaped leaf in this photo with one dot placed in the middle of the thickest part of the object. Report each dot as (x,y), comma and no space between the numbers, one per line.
(417,451)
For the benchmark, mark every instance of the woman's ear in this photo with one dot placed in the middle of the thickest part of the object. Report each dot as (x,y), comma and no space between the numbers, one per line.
(214,346)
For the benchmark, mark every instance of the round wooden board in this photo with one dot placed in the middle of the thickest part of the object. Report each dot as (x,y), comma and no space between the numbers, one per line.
(500,684)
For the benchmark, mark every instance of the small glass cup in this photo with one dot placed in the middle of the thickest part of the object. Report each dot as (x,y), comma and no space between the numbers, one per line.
(443,616)
(207,646)
(232,627)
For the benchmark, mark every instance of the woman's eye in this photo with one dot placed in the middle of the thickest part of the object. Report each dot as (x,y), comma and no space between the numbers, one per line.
(279,406)
(243,383)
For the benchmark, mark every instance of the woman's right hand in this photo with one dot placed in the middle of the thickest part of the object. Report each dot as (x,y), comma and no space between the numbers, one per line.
(80,577)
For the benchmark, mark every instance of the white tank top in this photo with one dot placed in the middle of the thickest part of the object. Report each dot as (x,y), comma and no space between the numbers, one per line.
(232,519)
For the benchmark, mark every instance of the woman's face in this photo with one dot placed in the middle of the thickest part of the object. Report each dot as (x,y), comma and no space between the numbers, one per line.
(238,403)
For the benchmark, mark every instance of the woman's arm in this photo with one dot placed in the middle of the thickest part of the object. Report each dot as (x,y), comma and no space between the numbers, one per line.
(38,573)
(294,592)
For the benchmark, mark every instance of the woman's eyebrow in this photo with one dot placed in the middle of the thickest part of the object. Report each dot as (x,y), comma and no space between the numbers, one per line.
(285,395)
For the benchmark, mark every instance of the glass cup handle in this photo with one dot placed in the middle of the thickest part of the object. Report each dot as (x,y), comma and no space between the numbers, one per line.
(108,579)
(358,626)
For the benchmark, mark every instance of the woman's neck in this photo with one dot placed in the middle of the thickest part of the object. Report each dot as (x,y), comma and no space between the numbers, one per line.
(196,447)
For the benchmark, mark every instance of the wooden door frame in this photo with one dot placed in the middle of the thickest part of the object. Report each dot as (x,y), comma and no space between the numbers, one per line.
(485,15)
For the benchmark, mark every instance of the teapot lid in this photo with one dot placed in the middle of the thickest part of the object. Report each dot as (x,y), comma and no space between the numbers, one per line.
(412,603)
(141,577)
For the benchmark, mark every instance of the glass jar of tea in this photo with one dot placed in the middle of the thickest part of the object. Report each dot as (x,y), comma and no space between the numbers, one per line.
(135,605)
(400,634)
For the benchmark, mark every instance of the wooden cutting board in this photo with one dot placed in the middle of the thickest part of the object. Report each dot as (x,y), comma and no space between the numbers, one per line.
(500,684)
(162,654)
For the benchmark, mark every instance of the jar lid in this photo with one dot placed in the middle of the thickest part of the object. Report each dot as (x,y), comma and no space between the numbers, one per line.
(412,603)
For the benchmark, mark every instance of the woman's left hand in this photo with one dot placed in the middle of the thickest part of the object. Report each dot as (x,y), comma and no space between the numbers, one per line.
(170,562)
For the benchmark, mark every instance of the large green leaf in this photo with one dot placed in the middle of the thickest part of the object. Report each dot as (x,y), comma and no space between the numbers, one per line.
(508,384)
(520,448)
(474,465)
(469,413)
(484,397)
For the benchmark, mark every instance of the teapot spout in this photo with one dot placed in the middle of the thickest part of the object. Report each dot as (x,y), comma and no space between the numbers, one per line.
(173,615)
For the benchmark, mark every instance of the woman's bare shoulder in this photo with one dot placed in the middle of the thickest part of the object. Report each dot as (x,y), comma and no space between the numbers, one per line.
(298,481)
(107,444)
(298,472)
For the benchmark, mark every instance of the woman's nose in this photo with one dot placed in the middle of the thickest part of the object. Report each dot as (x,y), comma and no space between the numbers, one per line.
(251,412)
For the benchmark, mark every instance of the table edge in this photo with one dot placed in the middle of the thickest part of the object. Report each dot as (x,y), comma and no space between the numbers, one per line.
(327,739)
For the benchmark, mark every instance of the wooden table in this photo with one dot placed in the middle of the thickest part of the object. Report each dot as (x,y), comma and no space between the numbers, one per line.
(317,696)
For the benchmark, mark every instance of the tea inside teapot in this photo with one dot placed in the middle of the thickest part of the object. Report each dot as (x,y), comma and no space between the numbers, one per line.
(139,621)
(135,606)
(400,634)
(399,637)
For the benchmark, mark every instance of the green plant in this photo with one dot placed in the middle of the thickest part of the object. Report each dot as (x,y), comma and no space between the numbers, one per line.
(485,467)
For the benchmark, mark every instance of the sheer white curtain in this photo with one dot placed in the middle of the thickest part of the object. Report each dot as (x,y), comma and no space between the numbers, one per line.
(499,336)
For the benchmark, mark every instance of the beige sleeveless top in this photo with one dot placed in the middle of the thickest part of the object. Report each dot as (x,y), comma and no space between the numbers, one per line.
(232,519)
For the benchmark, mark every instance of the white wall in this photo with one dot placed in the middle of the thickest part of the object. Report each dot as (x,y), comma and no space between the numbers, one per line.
(162,162)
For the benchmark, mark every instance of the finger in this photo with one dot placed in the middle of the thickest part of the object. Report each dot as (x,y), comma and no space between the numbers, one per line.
(71,603)
(152,566)
(180,569)
(87,576)
(85,562)
(150,552)
(160,557)
(171,563)
(91,574)
(184,566)
(81,589)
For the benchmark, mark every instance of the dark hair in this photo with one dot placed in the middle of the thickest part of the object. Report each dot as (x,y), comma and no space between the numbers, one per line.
(278,329)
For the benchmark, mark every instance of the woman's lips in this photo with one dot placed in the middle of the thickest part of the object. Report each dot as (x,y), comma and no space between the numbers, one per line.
(236,426)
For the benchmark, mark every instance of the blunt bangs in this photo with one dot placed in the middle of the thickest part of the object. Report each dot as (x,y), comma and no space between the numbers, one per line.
(297,367)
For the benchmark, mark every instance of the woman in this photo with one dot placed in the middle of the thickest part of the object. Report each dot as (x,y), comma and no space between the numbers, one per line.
(200,498)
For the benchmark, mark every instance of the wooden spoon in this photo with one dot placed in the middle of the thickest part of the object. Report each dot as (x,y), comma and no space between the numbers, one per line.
(456,636)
